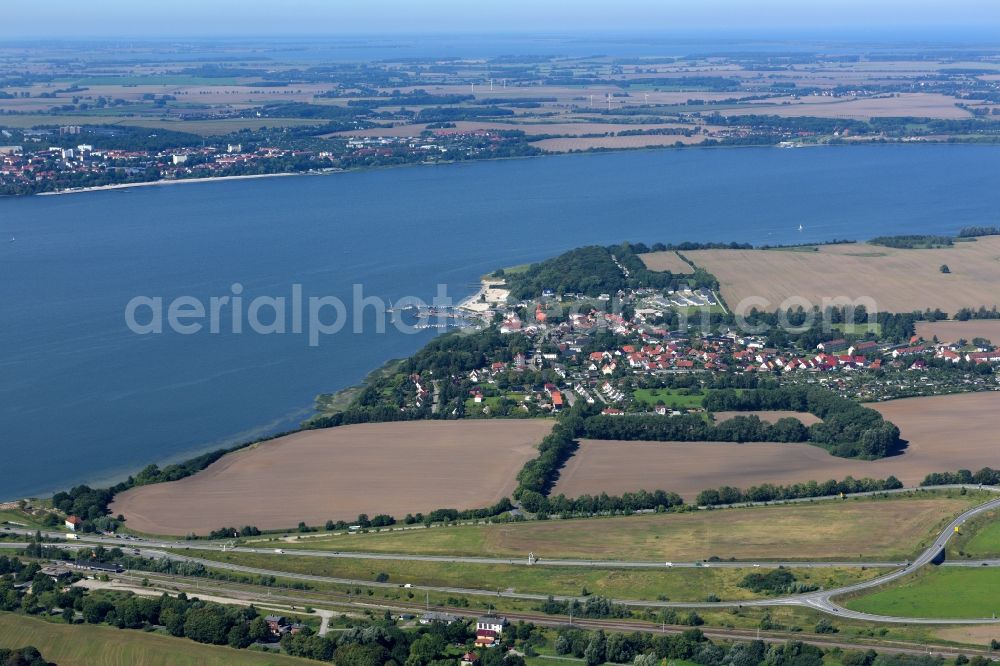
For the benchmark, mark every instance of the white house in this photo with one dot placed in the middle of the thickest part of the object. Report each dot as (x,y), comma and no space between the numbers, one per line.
(491,623)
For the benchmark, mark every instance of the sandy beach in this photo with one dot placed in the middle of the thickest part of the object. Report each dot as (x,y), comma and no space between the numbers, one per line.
(178,181)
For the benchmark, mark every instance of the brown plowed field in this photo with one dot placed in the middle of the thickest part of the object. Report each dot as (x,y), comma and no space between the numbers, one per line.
(945,433)
(953,331)
(338,473)
(771,416)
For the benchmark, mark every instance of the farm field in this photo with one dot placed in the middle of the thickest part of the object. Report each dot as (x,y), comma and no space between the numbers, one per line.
(953,331)
(945,433)
(895,280)
(199,127)
(870,528)
(926,105)
(771,416)
(643,584)
(858,329)
(953,592)
(530,128)
(566,144)
(665,261)
(91,645)
(339,473)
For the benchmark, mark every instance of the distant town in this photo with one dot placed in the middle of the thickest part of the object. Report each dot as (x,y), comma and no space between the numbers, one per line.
(87,119)
(36,166)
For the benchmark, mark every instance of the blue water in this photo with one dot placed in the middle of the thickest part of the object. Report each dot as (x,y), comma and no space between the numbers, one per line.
(84,399)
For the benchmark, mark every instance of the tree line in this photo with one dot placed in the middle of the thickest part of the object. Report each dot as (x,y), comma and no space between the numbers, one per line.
(768,492)
(986,476)
(694,428)
(912,241)
(663,500)
(847,429)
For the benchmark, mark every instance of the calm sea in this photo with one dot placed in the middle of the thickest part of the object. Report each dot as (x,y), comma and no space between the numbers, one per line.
(83,399)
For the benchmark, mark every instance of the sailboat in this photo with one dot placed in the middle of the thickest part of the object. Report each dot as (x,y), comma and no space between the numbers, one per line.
(801,227)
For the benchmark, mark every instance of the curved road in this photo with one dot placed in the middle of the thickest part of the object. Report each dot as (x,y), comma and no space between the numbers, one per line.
(820,600)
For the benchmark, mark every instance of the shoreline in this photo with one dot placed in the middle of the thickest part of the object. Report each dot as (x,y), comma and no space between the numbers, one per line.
(172,181)
(568,153)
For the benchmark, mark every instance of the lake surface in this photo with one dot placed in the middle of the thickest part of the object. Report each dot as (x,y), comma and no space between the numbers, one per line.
(82,398)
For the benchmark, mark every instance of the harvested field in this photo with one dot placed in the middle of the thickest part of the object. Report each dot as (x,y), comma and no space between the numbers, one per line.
(565,145)
(770,416)
(945,433)
(925,105)
(953,331)
(867,528)
(647,584)
(200,127)
(895,280)
(666,261)
(530,129)
(338,473)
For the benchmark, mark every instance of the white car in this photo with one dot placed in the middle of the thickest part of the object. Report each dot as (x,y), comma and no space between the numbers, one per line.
(669,564)
(279,551)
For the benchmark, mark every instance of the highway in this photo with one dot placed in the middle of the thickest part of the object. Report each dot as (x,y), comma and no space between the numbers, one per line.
(822,600)
(201,587)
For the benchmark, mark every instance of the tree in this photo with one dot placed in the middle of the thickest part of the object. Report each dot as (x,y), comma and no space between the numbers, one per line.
(424,650)
(239,636)
(96,610)
(206,625)
(355,654)
(824,626)
(172,618)
(258,630)
(595,653)
(619,650)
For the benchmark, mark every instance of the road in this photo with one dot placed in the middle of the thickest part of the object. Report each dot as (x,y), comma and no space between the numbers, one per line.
(820,600)
(297,600)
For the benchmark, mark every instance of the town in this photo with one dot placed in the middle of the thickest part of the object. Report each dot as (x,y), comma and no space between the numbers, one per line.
(35,165)
(627,361)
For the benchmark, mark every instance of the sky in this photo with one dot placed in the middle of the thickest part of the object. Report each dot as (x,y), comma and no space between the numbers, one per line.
(235,18)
